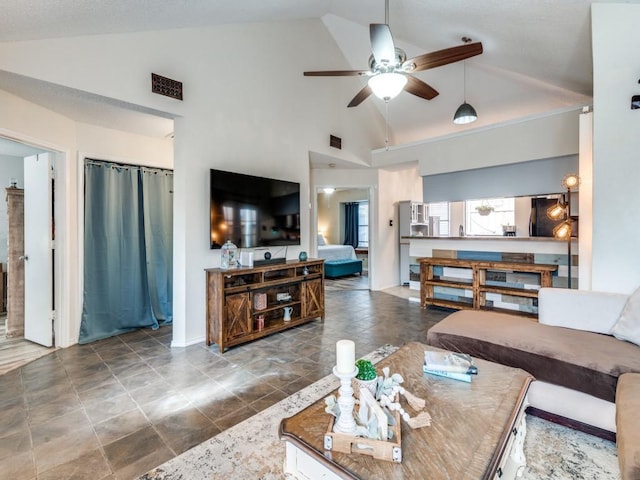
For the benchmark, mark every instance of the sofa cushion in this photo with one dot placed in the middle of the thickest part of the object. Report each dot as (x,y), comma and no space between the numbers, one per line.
(583,361)
(628,425)
(580,309)
(628,325)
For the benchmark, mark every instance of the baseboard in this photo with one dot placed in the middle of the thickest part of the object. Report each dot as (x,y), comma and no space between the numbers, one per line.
(570,423)
(188,343)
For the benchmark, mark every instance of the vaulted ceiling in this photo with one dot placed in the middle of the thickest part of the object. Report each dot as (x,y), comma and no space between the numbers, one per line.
(537,53)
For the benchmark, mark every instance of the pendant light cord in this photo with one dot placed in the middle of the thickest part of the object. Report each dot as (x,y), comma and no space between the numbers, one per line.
(386,114)
(464,80)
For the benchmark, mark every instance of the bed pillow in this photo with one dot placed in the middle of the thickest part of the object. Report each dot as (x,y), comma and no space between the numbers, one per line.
(321,242)
(628,325)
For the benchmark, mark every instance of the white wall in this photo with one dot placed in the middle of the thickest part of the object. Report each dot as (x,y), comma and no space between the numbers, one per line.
(10,167)
(616,143)
(553,135)
(109,144)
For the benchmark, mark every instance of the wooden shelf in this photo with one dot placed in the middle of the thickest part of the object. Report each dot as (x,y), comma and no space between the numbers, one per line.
(438,302)
(450,284)
(519,292)
(478,285)
(232,317)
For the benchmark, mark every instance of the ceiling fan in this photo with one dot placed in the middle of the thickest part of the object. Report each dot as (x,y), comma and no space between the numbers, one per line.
(389,70)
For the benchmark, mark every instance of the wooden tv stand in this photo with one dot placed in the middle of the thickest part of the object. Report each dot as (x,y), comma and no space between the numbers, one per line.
(232,316)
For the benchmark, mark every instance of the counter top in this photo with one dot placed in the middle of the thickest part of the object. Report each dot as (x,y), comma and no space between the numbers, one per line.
(490,237)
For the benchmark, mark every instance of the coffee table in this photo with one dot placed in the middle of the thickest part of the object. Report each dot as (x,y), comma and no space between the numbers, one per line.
(477,429)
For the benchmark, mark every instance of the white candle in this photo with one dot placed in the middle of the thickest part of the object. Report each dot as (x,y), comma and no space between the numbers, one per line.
(345,356)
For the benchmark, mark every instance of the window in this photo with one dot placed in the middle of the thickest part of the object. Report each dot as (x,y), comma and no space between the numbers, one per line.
(363,225)
(440,210)
(501,211)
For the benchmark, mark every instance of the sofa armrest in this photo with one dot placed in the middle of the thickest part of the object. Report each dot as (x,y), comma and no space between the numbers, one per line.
(628,423)
(580,309)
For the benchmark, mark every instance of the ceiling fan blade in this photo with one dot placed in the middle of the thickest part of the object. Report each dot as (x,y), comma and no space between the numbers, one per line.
(382,45)
(336,73)
(361,96)
(418,88)
(442,57)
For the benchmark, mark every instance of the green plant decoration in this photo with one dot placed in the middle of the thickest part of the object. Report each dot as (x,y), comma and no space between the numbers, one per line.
(484,209)
(366,370)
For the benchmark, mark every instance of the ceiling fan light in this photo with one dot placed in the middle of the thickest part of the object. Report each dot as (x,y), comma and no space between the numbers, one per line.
(386,86)
(465,114)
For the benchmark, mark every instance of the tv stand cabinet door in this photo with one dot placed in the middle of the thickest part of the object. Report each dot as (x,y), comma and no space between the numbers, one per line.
(313,299)
(237,318)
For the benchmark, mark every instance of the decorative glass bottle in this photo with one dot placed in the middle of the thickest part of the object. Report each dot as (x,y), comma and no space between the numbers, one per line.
(229,257)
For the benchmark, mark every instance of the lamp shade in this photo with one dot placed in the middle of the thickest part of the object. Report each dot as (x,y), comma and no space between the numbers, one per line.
(557,211)
(465,114)
(387,85)
(570,181)
(562,231)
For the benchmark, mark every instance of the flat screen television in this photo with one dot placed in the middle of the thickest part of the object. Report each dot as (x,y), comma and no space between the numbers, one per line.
(253,211)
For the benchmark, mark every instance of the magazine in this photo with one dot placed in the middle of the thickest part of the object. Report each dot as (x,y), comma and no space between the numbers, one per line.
(449,362)
(465,377)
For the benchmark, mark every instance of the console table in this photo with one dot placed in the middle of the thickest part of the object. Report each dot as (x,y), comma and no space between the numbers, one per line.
(244,304)
(477,283)
(477,429)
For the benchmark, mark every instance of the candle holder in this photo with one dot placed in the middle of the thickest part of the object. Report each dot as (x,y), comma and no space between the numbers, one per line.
(346,423)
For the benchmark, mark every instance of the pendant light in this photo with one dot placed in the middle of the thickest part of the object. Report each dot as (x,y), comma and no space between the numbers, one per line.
(465,112)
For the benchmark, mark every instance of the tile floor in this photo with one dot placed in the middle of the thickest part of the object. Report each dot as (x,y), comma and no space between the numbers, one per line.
(116,408)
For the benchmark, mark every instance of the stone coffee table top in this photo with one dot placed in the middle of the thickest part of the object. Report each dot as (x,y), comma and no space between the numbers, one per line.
(471,423)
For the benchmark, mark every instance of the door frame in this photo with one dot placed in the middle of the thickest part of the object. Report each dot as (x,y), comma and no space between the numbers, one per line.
(370,189)
(66,295)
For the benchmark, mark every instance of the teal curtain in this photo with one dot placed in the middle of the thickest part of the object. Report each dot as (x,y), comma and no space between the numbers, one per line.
(127,243)
(157,202)
(351,224)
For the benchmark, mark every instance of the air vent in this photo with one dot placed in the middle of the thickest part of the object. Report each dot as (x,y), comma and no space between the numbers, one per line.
(166,86)
(335,142)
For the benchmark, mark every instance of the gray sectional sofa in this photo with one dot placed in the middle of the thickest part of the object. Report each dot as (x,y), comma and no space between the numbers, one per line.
(583,373)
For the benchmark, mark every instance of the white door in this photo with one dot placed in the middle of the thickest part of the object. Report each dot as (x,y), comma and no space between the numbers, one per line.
(38,254)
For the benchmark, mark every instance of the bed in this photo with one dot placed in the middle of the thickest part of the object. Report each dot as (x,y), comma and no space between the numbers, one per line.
(340,260)
(335,252)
